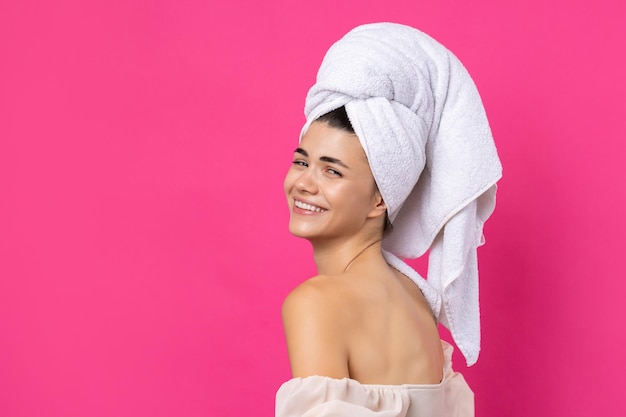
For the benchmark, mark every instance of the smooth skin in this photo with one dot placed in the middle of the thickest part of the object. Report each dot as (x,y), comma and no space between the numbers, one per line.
(359,318)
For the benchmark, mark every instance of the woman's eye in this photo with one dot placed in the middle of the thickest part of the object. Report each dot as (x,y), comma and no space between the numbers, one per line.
(300,163)
(334,172)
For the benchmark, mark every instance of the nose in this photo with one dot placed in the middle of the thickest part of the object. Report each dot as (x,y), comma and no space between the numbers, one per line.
(306,182)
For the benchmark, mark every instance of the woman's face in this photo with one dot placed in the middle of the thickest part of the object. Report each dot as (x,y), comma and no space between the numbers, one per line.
(330,189)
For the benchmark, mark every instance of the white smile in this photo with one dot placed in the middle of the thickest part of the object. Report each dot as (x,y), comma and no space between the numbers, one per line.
(308,207)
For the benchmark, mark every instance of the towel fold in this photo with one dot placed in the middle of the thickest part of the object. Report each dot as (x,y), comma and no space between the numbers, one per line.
(421,122)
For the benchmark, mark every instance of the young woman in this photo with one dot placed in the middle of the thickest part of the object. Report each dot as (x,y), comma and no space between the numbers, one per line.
(362,335)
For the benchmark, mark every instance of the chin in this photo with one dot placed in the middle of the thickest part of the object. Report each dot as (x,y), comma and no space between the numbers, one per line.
(304,231)
(298,232)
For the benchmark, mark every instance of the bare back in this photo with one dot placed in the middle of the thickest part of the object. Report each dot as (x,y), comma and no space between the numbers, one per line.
(377,323)
(393,337)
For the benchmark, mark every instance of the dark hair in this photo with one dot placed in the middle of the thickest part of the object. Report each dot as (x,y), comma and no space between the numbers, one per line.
(338,119)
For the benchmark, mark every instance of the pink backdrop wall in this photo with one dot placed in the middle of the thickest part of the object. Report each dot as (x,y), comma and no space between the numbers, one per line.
(143,244)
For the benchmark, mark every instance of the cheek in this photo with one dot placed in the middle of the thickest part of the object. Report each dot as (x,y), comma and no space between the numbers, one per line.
(289,180)
(359,199)
(347,196)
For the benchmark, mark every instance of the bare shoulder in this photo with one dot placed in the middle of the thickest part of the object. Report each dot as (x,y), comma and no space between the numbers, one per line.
(311,295)
(319,301)
(313,329)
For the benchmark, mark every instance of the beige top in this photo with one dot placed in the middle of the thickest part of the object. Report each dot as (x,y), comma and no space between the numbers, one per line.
(320,396)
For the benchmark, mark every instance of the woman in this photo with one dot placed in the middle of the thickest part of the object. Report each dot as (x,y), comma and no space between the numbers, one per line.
(395,135)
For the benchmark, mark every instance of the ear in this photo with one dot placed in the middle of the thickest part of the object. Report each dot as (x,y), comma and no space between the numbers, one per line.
(380,208)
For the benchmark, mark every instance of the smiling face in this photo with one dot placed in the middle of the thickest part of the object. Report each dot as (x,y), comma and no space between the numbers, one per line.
(330,189)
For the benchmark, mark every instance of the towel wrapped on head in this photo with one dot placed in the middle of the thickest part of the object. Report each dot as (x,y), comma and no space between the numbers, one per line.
(421,122)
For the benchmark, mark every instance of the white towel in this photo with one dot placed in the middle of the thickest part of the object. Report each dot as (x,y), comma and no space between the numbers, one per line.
(421,122)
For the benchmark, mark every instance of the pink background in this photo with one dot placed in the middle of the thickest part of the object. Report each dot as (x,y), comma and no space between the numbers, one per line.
(143,245)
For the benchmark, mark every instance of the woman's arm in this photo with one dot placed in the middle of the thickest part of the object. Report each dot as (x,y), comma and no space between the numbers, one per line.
(316,339)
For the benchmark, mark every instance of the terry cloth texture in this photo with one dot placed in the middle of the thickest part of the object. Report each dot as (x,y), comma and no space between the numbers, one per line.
(421,122)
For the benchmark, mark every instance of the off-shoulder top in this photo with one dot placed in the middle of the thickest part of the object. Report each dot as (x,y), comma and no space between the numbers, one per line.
(320,396)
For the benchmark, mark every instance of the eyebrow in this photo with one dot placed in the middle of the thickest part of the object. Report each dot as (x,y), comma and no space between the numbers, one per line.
(323,158)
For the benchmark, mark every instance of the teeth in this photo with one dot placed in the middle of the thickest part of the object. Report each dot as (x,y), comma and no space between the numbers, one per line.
(308,207)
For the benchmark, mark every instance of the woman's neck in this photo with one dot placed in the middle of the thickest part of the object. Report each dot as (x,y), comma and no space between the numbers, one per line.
(334,258)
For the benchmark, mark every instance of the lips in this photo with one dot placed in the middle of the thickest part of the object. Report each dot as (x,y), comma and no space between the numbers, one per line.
(308,207)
